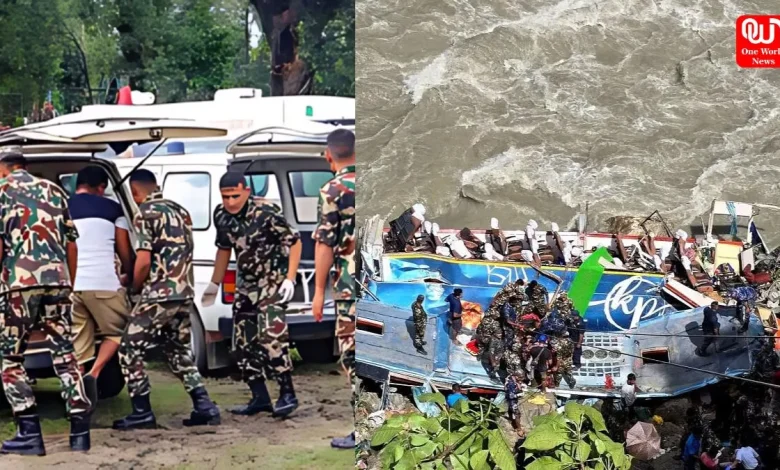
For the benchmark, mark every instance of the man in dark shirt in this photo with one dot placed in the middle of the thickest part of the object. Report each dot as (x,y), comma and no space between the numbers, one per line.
(541,357)
(711,327)
(456,310)
(576,327)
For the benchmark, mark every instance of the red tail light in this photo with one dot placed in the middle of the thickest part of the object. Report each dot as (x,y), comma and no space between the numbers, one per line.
(229,287)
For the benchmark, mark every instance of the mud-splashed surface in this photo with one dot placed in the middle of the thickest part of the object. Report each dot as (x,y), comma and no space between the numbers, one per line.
(531,108)
(300,442)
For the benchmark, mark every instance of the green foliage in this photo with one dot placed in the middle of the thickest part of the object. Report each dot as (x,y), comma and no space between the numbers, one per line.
(181,50)
(575,439)
(465,437)
(327,44)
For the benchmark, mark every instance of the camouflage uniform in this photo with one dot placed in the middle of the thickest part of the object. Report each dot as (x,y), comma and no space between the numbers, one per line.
(509,290)
(35,286)
(565,350)
(490,342)
(336,229)
(162,316)
(420,319)
(538,298)
(262,238)
(513,358)
(564,305)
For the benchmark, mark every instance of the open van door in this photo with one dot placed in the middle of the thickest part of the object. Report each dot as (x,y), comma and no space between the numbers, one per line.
(286,165)
(59,148)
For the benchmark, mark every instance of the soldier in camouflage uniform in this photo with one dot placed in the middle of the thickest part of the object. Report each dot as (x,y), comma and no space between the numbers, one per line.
(268,252)
(490,341)
(38,250)
(164,280)
(565,349)
(420,320)
(564,305)
(511,289)
(537,294)
(335,237)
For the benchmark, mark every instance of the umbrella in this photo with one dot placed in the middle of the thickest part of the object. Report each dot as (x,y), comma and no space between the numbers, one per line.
(643,441)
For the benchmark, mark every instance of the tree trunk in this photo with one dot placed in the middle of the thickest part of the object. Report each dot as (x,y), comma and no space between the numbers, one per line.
(290,75)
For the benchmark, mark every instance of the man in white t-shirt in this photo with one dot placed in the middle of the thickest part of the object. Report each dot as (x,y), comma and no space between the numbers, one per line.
(628,394)
(747,458)
(99,301)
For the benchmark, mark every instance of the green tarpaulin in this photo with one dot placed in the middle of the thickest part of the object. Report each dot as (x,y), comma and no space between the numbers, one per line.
(587,279)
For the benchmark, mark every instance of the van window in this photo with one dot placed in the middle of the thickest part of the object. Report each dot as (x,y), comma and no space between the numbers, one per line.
(265,186)
(68,183)
(193,192)
(306,191)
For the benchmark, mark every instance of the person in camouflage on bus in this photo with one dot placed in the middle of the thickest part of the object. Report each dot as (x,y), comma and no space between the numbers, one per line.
(565,349)
(511,289)
(268,252)
(564,305)
(420,319)
(335,237)
(39,252)
(537,294)
(164,280)
(490,341)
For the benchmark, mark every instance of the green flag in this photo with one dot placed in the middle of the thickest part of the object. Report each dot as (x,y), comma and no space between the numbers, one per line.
(587,280)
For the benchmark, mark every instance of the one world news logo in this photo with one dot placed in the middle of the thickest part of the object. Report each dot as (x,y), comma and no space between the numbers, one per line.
(758,41)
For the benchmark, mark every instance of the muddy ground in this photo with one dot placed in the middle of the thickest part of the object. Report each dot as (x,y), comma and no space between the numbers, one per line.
(300,442)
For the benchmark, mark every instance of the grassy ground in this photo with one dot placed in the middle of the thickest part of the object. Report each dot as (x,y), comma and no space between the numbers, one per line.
(300,442)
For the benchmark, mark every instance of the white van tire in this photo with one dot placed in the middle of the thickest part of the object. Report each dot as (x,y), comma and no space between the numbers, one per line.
(198,343)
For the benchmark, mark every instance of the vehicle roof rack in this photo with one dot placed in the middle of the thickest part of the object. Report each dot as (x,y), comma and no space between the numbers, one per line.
(310,140)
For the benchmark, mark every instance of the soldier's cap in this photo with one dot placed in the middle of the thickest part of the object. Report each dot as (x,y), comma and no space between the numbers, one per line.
(420,297)
(12,156)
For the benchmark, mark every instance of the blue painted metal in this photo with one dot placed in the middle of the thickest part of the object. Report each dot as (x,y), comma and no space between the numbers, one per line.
(622,299)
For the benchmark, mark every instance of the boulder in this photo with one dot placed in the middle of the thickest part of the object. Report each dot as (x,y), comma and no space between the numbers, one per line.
(674,410)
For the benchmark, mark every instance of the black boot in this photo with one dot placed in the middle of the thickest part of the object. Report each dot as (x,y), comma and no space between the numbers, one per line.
(204,412)
(260,401)
(344,442)
(28,439)
(287,402)
(141,417)
(79,432)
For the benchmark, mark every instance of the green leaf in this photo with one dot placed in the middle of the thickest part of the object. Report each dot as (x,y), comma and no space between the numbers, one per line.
(462,406)
(459,462)
(574,412)
(437,398)
(427,466)
(419,440)
(396,421)
(545,437)
(596,418)
(564,457)
(383,435)
(443,437)
(432,426)
(500,452)
(581,451)
(390,454)
(545,463)
(417,421)
(600,466)
(478,444)
(398,453)
(552,418)
(601,447)
(426,451)
(440,464)
(407,462)
(464,446)
(478,460)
